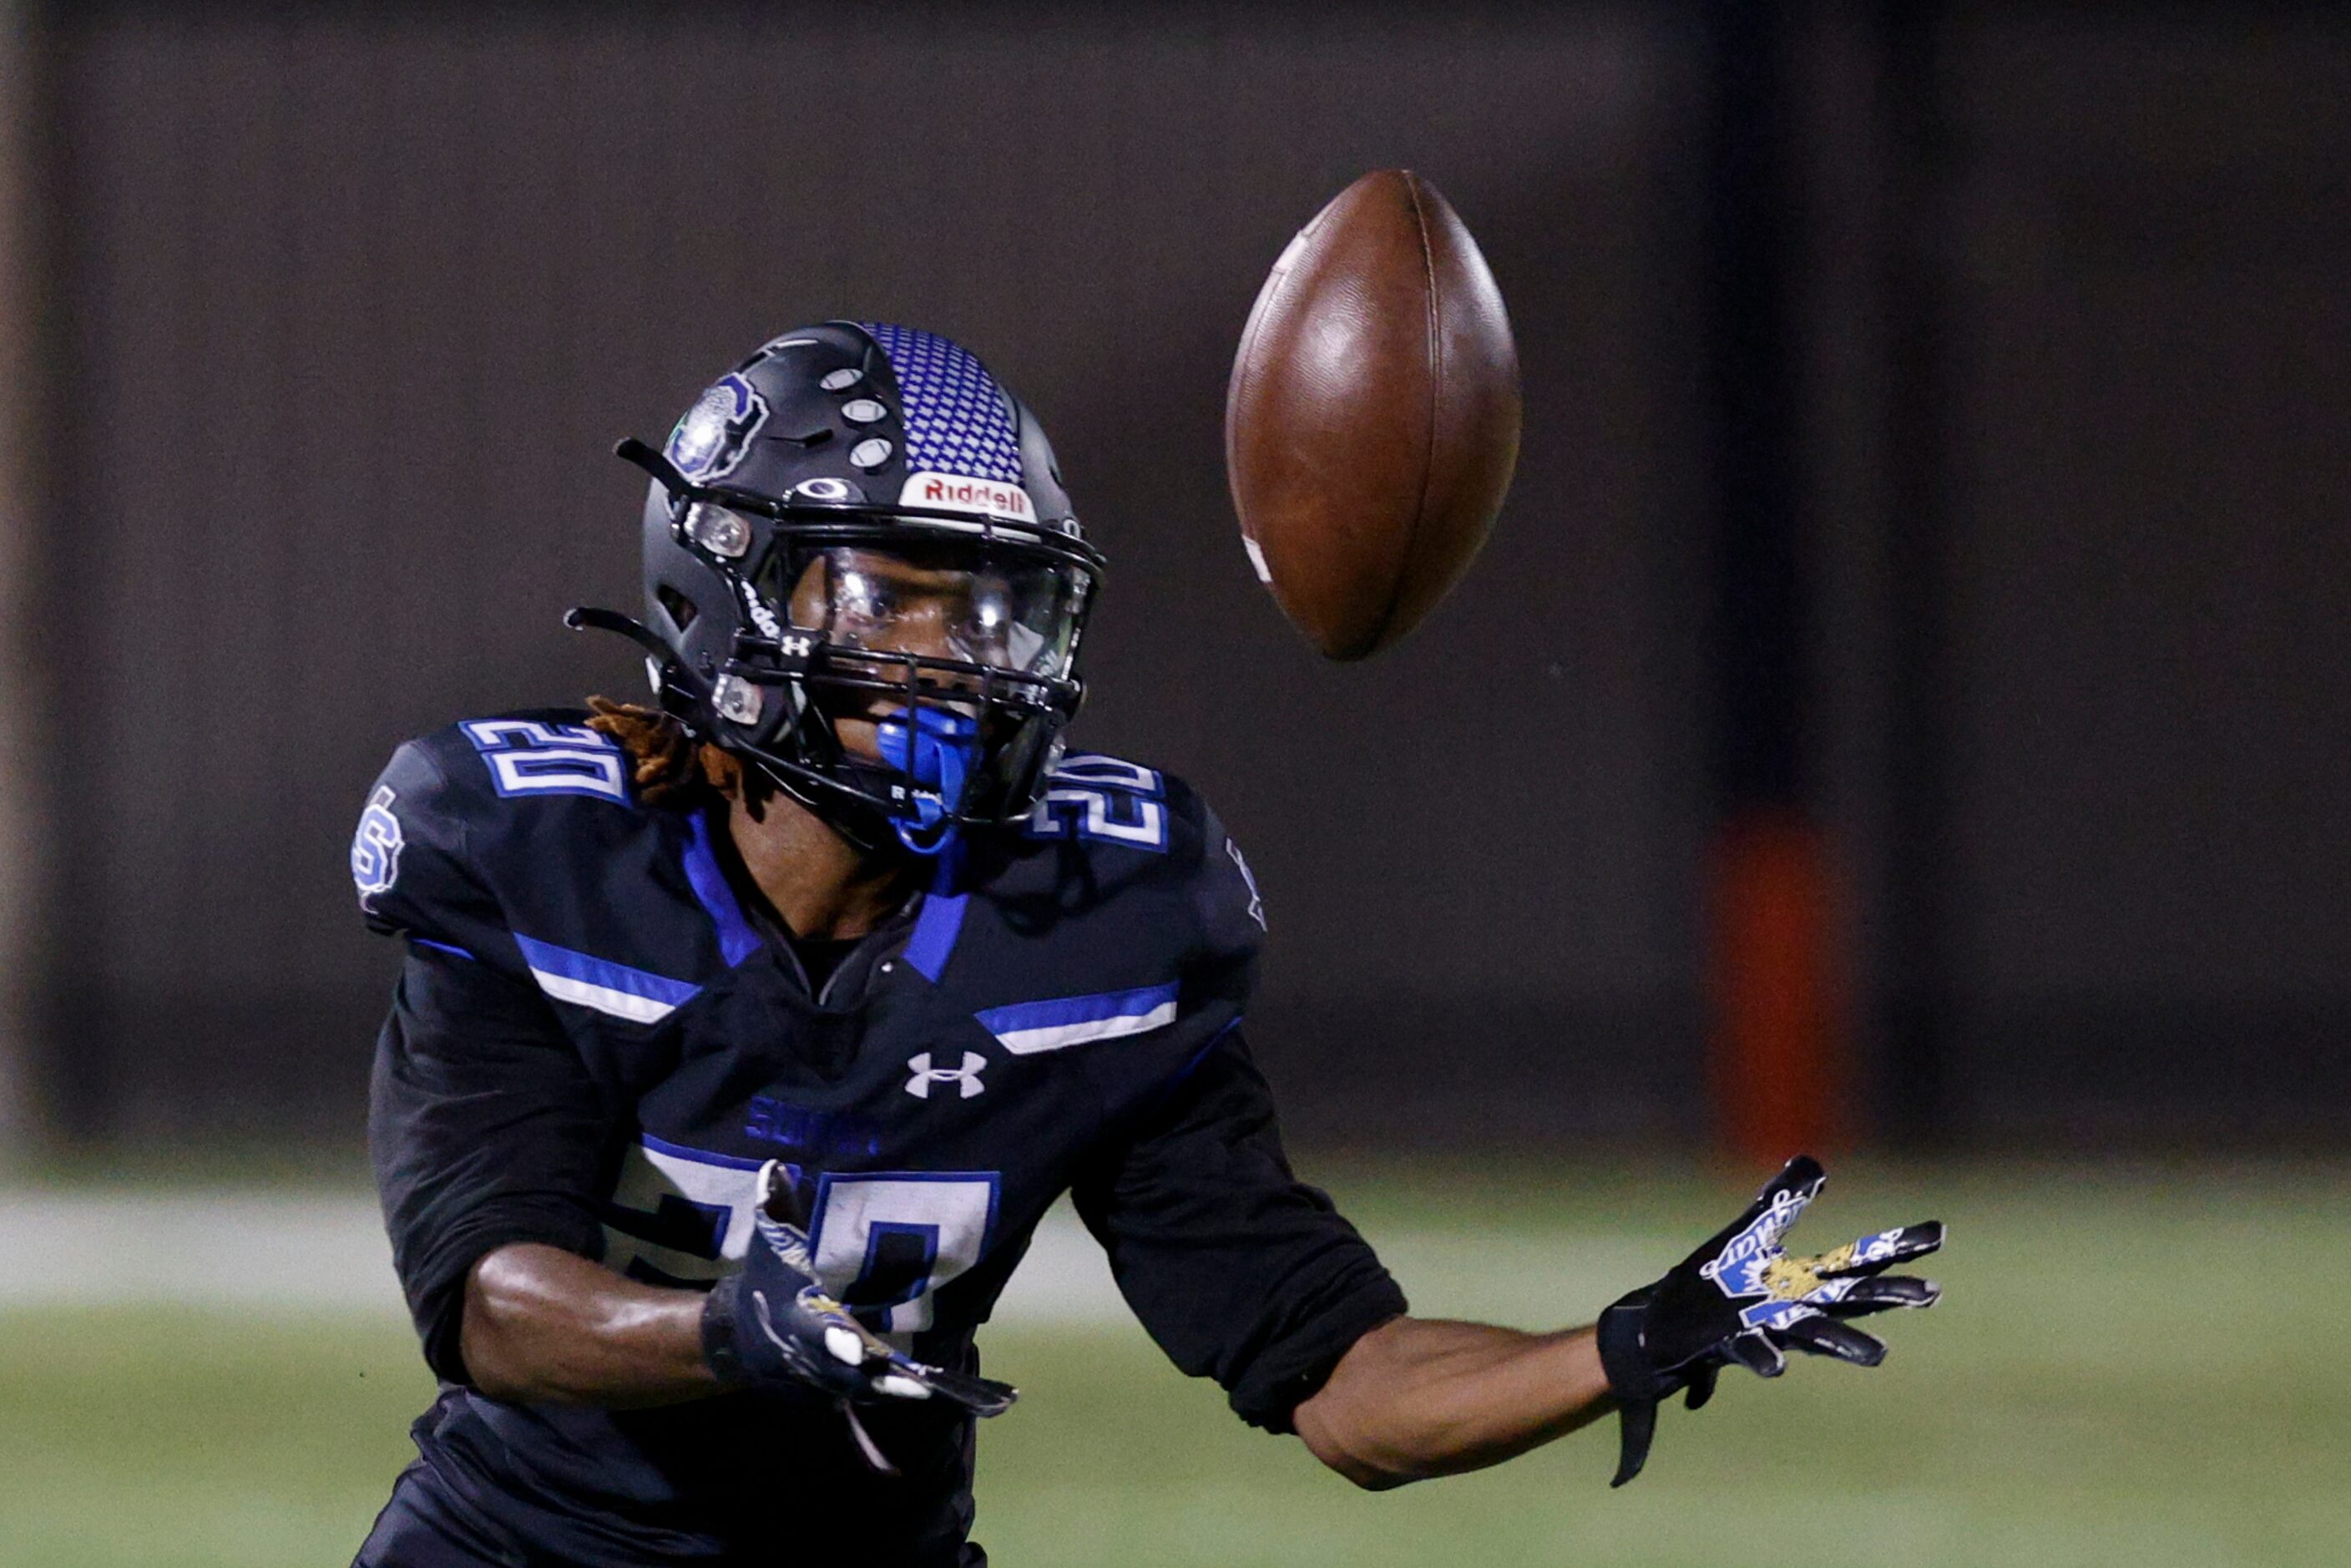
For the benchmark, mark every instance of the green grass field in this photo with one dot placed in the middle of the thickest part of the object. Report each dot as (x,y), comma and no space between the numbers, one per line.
(2143,1368)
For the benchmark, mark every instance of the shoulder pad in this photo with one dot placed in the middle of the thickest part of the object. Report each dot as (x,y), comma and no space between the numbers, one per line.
(452,806)
(1108,800)
(1160,830)
(543,754)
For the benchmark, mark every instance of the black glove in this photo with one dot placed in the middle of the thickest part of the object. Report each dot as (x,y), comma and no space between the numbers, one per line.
(1741,1298)
(772,1324)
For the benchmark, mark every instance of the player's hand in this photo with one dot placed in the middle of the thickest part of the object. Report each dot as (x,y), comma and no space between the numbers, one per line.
(774,1324)
(1741,1298)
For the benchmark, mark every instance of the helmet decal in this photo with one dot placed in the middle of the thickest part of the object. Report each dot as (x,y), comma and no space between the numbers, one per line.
(756,608)
(710,441)
(957,420)
(947,493)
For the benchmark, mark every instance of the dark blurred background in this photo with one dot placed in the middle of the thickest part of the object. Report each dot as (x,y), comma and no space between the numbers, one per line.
(1936,439)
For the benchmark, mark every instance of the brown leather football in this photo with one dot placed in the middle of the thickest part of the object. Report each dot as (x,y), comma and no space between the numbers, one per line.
(1372,418)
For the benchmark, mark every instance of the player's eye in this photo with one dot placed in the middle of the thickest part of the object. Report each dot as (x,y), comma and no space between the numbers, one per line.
(862,604)
(980,620)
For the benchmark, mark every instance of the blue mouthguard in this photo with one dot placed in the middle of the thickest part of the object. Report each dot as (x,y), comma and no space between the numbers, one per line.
(938,752)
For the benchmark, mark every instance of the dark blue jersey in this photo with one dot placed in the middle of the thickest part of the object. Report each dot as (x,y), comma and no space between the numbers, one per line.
(598,1038)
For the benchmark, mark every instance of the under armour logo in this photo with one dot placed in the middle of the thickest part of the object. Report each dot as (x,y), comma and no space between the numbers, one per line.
(797,647)
(965,1078)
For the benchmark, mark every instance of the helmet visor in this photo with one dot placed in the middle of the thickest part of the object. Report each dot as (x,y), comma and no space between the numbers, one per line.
(1020,616)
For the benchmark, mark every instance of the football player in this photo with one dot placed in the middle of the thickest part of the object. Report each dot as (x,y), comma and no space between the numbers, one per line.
(743,1038)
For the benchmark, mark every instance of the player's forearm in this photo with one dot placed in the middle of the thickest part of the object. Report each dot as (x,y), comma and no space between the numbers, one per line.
(1419,1397)
(543,1325)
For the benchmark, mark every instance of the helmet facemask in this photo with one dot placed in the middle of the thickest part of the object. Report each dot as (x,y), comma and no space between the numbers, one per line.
(905,676)
(864,577)
(929,675)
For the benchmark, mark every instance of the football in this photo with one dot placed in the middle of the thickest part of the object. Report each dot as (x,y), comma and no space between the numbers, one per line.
(1372,421)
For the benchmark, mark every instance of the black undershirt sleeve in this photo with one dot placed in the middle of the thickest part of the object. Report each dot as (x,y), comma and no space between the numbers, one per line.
(1238,1269)
(485,1128)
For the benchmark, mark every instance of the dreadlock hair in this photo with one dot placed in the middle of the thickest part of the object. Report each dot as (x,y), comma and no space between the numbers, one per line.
(667,765)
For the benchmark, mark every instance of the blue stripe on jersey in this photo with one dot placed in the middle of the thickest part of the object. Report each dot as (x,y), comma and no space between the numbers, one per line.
(935,930)
(1024,1028)
(600,984)
(737,940)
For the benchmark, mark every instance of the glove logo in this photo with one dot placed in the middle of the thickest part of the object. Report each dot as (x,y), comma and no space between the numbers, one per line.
(1739,1270)
(964,1078)
(375,848)
(1753,1265)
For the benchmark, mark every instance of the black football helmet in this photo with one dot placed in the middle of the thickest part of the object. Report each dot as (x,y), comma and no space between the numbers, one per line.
(839,475)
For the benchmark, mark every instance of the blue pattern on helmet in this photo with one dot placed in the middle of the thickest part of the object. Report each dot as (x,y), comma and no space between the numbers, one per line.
(957,420)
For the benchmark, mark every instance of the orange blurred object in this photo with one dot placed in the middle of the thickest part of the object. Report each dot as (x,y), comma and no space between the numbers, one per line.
(1778,1058)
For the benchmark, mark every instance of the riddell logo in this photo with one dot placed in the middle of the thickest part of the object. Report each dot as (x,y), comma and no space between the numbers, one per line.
(954,493)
